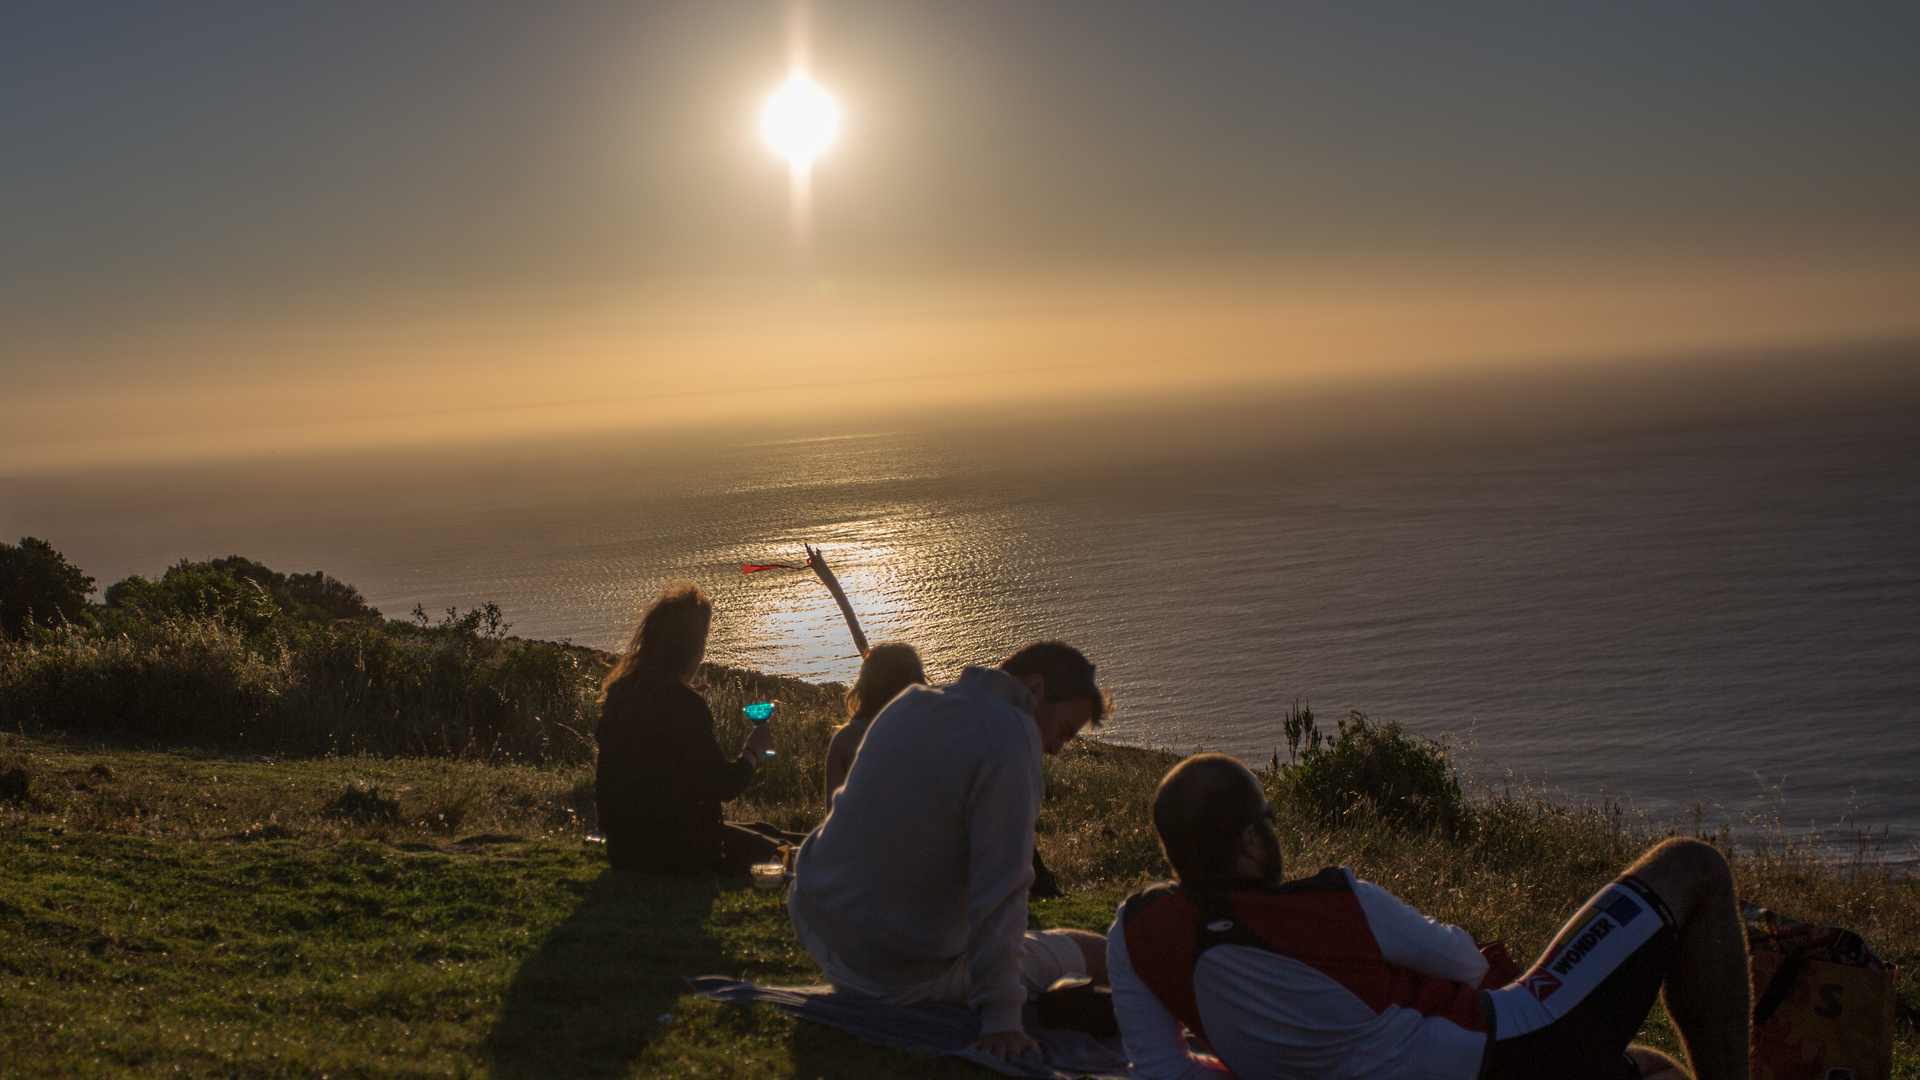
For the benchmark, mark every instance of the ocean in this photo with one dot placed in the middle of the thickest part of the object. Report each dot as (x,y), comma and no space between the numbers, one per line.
(1720,623)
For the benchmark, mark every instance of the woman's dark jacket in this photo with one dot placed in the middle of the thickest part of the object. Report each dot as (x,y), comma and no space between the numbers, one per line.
(662,778)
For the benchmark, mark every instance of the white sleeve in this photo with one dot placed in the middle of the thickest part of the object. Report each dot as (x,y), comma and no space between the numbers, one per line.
(1411,940)
(1155,1042)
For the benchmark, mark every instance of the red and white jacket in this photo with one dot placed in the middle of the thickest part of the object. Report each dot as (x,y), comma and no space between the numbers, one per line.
(1325,977)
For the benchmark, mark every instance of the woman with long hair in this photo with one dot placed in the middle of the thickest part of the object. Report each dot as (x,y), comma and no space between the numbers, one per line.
(888,669)
(662,776)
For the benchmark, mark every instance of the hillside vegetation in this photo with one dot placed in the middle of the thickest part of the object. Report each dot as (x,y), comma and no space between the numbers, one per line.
(232,653)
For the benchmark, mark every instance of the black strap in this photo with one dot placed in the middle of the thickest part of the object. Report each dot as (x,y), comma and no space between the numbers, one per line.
(1217,923)
(1776,991)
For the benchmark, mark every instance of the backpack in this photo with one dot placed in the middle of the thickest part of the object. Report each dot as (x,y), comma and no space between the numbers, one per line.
(1822,1001)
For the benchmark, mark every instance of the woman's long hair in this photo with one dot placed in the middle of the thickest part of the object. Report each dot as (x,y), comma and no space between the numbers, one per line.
(888,669)
(668,642)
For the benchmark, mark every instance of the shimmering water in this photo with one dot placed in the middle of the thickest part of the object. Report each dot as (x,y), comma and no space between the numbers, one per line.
(1728,618)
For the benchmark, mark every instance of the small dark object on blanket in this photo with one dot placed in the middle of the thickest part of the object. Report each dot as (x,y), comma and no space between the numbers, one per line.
(1075,1004)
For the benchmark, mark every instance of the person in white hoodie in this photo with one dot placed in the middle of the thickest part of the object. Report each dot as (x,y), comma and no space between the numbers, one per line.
(1332,976)
(914,888)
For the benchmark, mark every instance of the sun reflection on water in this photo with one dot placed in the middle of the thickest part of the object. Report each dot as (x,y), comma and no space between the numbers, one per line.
(789,623)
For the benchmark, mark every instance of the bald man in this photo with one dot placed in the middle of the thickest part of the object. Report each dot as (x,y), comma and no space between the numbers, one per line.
(1333,976)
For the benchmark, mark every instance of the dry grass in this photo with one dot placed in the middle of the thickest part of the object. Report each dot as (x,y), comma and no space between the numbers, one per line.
(197,795)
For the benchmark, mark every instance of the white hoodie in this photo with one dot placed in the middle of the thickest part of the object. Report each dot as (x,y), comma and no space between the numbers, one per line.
(927,854)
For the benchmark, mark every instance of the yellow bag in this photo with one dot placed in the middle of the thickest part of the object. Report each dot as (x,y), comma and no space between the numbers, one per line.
(1814,1019)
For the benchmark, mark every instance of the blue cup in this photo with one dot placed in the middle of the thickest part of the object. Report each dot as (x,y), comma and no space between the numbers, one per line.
(760,712)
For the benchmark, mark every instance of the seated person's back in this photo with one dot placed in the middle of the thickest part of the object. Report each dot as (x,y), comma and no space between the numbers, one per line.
(914,889)
(886,876)
(661,777)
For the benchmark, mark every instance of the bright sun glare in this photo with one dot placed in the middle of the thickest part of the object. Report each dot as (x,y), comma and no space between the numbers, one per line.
(800,121)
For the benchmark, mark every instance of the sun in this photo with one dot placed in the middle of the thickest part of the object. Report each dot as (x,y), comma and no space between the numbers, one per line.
(800,121)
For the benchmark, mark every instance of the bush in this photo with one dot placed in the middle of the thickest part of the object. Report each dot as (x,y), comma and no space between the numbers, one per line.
(188,679)
(39,587)
(1381,770)
(243,593)
(197,591)
(230,651)
(315,597)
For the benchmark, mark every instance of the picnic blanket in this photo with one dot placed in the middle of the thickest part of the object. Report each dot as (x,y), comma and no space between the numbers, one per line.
(933,1029)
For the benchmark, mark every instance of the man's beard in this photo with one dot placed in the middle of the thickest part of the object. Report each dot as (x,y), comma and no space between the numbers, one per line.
(1271,871)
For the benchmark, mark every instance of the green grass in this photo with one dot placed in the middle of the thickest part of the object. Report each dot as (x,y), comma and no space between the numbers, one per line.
(215,912)
(133,956)
(342,954)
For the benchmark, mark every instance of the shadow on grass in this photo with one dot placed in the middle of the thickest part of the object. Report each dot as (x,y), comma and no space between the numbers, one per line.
(824,1051)
(586,1005)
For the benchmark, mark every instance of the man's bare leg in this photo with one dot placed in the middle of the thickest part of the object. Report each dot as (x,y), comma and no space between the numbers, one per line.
(1708,989)
(1093,950)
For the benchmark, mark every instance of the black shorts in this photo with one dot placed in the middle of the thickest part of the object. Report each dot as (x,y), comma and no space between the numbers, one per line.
(1574,1011)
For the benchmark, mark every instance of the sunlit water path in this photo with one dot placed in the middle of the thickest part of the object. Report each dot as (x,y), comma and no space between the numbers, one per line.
(1726,618)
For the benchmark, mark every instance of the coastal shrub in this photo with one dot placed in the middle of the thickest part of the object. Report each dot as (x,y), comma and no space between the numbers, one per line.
(314,596)
(1378,770)
(487,620)
(196,592)
(456,695)
(231,652)
(192,679)
(39,587)
(238,590)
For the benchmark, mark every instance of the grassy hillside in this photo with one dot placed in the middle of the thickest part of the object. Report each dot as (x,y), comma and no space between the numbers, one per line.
(212,913)
(250,828)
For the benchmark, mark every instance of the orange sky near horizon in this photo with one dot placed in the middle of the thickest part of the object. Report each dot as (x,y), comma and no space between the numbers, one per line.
(861,354)
(257,229)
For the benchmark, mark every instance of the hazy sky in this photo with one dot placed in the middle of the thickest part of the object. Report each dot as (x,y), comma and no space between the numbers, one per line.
(247,227)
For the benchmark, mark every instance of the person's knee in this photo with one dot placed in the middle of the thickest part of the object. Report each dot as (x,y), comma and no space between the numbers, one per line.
(1686,873)
(1093,952)
(1695,861)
